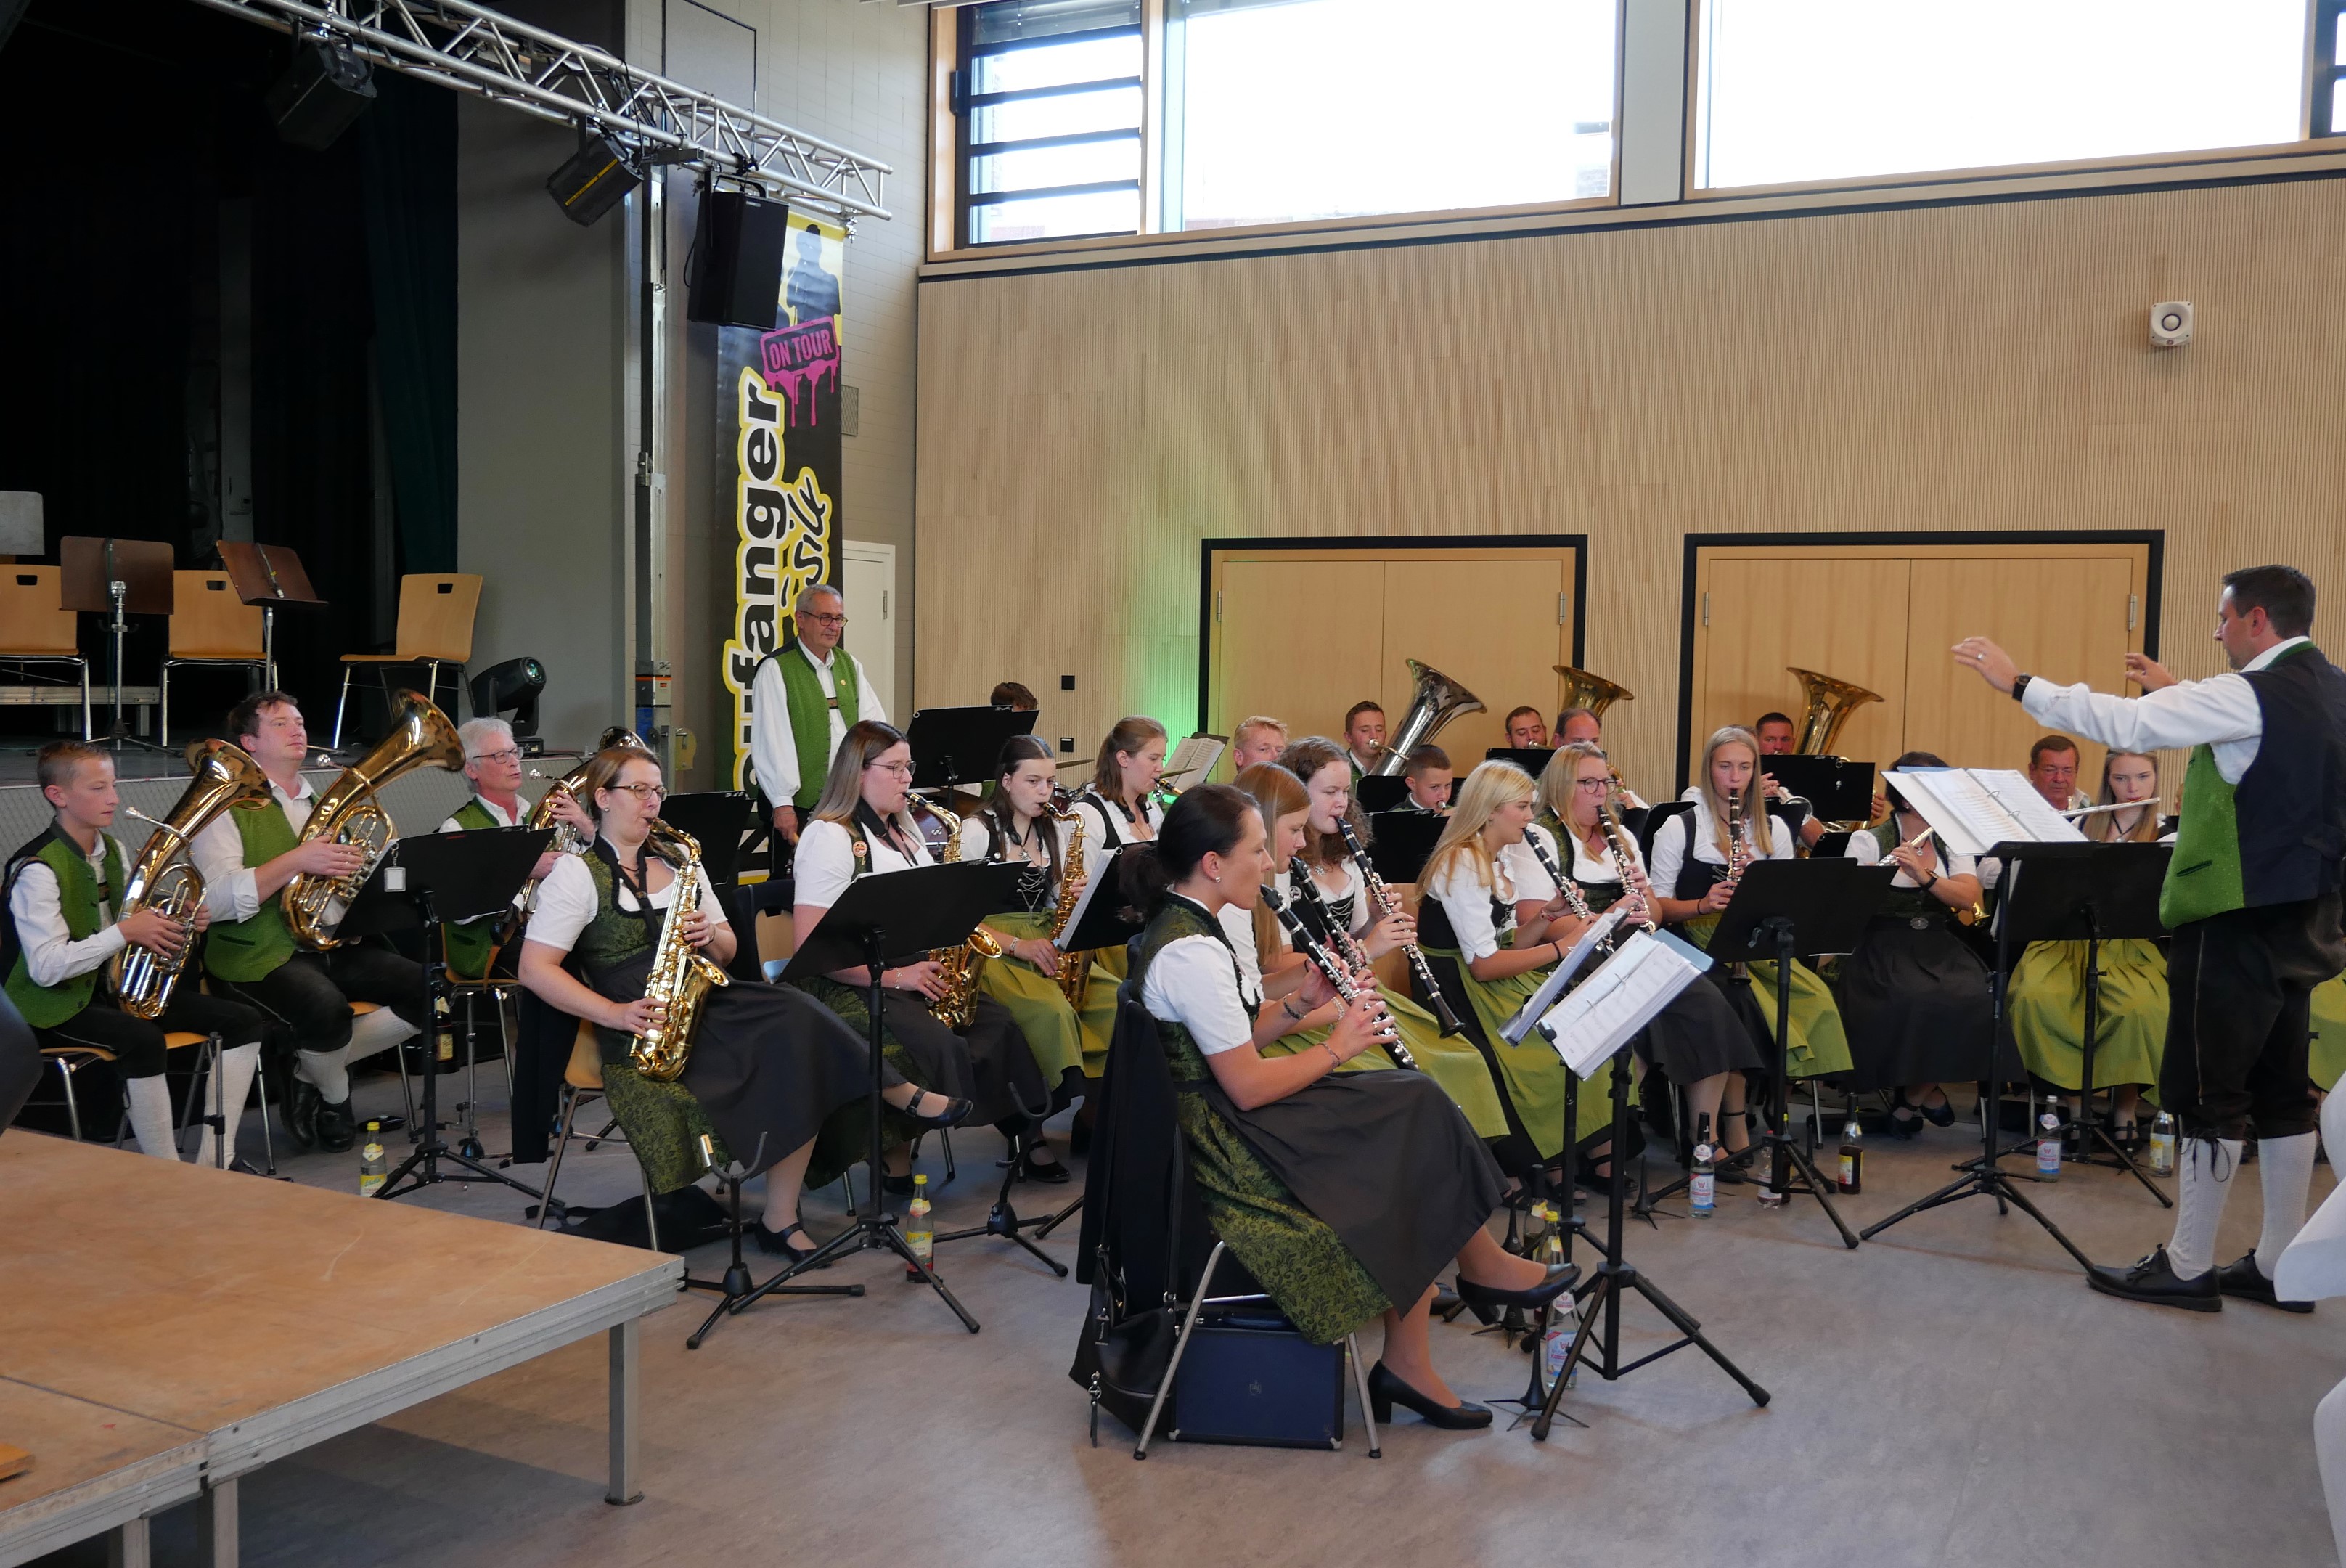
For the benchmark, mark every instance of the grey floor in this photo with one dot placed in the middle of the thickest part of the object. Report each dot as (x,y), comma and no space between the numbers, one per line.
(1948,1394)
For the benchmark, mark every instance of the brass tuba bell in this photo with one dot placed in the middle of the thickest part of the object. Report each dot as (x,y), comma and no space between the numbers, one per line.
(349,813)
(1437,700)
(1828,703)
(1592,692)
(159,879)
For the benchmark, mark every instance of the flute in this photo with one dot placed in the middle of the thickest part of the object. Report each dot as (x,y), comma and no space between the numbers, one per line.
(1338,978)
(1388,906)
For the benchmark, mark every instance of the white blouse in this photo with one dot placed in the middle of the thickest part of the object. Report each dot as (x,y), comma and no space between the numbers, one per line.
(1467,902)
(1671,850)
(566,902)
(1532,881)
(1355,887)
(825,862)
(1863,849)
(1099,815)
(1191,981)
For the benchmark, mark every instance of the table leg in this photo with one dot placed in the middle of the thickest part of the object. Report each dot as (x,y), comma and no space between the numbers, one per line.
(626,1343)
(127,1547)
(216,1524)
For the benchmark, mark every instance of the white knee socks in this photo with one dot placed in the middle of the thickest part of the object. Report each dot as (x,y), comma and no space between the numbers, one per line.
(2205,1181)
(237,1066)
(377,1031)
(150,1115)
(328,1072)
(2287,1165)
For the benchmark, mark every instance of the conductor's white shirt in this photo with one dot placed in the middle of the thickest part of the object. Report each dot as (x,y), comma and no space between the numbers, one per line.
(2220,712)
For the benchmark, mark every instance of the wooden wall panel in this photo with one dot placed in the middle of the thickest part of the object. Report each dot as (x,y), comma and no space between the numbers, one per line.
(1950,367)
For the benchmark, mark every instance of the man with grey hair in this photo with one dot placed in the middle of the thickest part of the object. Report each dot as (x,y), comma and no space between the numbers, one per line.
(804,696)
(492,767)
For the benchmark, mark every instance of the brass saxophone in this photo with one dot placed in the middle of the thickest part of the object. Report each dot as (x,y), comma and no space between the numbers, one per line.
(681,975)
(958,1006)
(1075,967)
(349,813)
(159,881)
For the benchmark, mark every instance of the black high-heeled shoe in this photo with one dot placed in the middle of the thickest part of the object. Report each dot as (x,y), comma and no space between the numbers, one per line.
(1386,1391)
(955,1112)
(1487,1302)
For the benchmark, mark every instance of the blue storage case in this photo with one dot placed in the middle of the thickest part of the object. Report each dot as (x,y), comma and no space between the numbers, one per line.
(1253,1380)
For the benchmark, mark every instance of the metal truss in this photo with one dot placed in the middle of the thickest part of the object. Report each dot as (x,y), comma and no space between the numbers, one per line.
(477,50)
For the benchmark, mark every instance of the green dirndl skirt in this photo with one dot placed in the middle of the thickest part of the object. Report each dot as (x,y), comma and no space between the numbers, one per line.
(2046,1008)
(1453,1064)
(1062,1040)
(1819,1044)
(1534,1074)
(2327,1054)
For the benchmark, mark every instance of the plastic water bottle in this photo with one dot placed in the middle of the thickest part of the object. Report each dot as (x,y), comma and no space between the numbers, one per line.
(373,1165)
(2048,1147)
(1702,1181)
(2162,1145)
(920,1233)
(1555,1345)
(1852,1155)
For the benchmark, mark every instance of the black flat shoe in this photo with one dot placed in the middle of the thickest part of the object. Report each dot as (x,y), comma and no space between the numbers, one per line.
(1030,1170)
(2153,1280)
(1943,1114)
(302,1112)
(1487,1302)
(777,1243)
(901,1185)
(1905,1119)
(1385,1391)
(2246,1280)
(1446,1304)
(955,1112)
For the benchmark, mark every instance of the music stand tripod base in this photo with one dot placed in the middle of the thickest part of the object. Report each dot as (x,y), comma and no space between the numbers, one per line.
(736,1287)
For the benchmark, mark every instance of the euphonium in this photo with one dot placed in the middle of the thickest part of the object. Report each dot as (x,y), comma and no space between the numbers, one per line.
(158,881)
(349,813)
(958,1006)
(681,975)
(1075,967)
(1437,700)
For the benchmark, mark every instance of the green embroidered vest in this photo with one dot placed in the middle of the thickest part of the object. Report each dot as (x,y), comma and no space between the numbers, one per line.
(467,946)
(614,936)
(79,895)
(1175,919)
(810,712)
(248,949)
(2203,876)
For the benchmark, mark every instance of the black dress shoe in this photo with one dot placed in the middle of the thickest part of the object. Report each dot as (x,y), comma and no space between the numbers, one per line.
(2246,1280)
(1385,1391)
(777,1243)
(902,1186)
(955,1112)
(1942,1115)
(302,1112)
(336,1132)
(1030,1170)
(1487,1302)
(2153,1280)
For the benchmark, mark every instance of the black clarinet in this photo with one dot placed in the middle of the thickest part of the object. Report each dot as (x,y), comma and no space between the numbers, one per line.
(1339,979)
(1387,906)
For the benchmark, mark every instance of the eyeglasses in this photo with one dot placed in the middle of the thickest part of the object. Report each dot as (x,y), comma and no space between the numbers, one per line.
(901,770)
(510,754)
(1591,785)
(644,792)
(825,620)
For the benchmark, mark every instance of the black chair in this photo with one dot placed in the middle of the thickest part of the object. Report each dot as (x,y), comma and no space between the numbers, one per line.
(1149,1254)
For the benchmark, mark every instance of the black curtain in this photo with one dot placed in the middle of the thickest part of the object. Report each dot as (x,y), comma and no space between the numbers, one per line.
(407,149)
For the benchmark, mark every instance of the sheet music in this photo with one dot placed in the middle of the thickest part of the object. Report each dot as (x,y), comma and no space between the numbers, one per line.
(1977,808)
(1575,959)
(1194,758)
(1097,870)
(1622,997)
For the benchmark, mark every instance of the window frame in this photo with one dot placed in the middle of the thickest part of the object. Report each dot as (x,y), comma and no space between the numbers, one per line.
(962,104)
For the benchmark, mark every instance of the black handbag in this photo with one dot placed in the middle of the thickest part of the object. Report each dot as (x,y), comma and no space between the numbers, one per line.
(1121,1360)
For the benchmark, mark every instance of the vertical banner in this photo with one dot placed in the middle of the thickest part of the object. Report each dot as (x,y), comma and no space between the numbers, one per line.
(780,398)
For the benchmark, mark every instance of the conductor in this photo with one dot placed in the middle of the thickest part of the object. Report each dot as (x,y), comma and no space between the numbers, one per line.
(2252,899)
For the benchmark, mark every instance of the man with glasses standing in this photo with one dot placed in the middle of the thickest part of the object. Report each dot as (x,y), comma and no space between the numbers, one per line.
(805,695)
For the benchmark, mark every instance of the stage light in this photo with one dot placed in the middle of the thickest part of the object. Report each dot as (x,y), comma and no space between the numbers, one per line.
(510,692)
(593,181)
(322,92)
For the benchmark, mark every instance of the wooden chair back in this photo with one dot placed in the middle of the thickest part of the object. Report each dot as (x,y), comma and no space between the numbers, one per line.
(208,621)
(435,615)
(33,625)
(586,1068)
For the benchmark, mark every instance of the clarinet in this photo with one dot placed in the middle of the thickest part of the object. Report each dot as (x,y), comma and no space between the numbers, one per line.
(1617,847)
(1388,906)
(1339,979)
(1307,892)
(1564,885)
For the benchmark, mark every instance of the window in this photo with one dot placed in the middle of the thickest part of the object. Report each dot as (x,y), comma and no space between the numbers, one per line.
(2329,104)
(1050,104)
(1836,89)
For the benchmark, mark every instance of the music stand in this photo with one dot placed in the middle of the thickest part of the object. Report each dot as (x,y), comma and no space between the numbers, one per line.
(267,576)
(1380,792)
(897,915)
(737,1285)
(117,577)
(1836,789)
(1780,910)
(1400,843)
(717,818)
(425,884)
(961,745)
(2066,894)
(1531,759)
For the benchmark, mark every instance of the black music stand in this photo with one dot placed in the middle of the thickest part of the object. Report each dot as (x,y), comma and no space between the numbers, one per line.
(961,745)
(423,883)
(1838,789)
(1380,792)
(1531,759)
(1782,911)
(117,577)
(2049,904)
(268,576)
(1400,843)
(717,818)
(736,1287)
(897,915)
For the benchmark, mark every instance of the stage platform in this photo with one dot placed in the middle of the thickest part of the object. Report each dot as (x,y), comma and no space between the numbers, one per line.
(167,1330)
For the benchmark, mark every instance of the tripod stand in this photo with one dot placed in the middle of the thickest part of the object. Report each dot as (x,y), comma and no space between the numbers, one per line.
(734,1288)
(117,577)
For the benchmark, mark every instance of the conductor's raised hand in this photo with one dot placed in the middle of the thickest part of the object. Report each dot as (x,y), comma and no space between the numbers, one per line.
(1989,662)
(2148,673)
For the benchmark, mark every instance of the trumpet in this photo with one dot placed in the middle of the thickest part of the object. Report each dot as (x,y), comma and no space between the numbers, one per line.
(1338,978)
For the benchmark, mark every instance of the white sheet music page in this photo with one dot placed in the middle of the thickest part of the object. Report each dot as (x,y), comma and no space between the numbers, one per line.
(1576,958)
(1977,808)
(1622,997)
(1193,759)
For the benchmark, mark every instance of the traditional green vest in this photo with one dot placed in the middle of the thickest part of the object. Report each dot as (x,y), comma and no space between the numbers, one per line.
(78,898)
(2203,876)
(249,950)
(810,712)
(467,946)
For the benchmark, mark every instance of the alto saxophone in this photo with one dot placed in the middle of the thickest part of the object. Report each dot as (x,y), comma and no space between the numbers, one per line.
(158,881)
(958,1006)
(1075,967)
(349,813)
(681,975)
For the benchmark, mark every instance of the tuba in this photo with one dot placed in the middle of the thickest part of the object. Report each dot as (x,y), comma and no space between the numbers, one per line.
(1437,700)
(159,881)
(567,840)
(681,975)
(1592,692)
(1827,705)
(349,813)
(958,1006)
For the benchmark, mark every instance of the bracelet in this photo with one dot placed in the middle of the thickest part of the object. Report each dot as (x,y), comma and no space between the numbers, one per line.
(1288,1007)
(1556,947)
(1339,1061)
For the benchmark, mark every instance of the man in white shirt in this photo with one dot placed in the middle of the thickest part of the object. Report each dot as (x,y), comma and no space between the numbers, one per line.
(1256,740)
(247,856)
(1364,735)
(803,699)
(2252,896)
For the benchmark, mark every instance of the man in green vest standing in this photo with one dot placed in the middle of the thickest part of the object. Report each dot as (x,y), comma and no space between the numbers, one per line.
(247,855)
(805,695)
(2252,899)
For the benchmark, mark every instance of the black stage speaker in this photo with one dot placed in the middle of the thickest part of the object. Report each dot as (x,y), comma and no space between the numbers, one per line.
(324,89)
(737,261)
(593,181)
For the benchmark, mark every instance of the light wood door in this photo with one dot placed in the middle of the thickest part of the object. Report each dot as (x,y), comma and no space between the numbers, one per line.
(1300,640)
(1839,616)
(1497,627)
